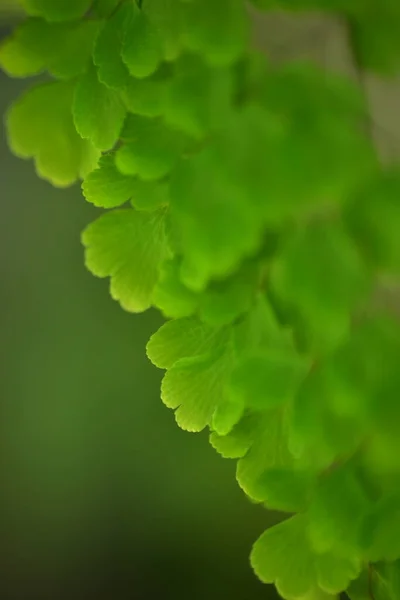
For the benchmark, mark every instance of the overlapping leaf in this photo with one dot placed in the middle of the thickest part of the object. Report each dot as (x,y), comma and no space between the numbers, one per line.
(98,111)
(40,126)
(276,559)
(380,535)
(128,246)
(141,50)
(57,11)
(181,338)
(221,303)
(218,202)
(321,273)
(199,98)
(337,510)
(105,8)
(107,57)
(380,580)
(167,17)
(217,31)
(150,148)
(199,359)
(148,97)
(373,216)
(107,187)
(63,49)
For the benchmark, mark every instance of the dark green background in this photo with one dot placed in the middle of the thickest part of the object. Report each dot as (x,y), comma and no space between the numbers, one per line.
(101,495)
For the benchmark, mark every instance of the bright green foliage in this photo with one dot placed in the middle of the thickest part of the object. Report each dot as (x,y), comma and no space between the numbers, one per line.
(167,17)
(98,111)
(106,186)
(336,512)
(196,386)
(150,195)
(171,296)
(141,47)
(107,57)
(150,148)
(217,31)
(268,378)
(326,158)
(181,338)
(380,581)
(105,8)
(321,273)
(148,97)
(61,10)
(223,302)
(217,187)
(260,221)
(199,359)
(40,126)
(381,531)
(373,216)
(127,246)
(199,99)
(276,559)
(63,49)
(365,374)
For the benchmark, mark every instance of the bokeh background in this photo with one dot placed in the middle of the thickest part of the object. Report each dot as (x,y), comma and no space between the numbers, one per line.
(102,496)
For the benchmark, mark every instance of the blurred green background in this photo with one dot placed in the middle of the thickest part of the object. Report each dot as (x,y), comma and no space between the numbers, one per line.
(102,495)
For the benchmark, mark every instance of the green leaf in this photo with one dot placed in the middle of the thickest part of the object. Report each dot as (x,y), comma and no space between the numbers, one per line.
(224,301)
(112,70)
(268,451)
(266,470)
(212,189)
(220,304)
(150,149)
(63,49)
(106,186)
(180,338)
(105,8)
(364,376)
(171,296)
(217,31)
(268,378)
(236,443)
(261,329)
(147,97)
(321,273)
(40,126)
(99,113)
(166,16)
(379,581)
(286,489)
(337,511)
(141,46)
(199,98)
(318,436)
(312,168)
(380,536)
(57,11)
(194,387)
(128,246)
(150,195)
(276,559)
(373,216)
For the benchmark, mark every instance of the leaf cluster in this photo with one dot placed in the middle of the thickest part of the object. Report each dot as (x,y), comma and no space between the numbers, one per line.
(247,204)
